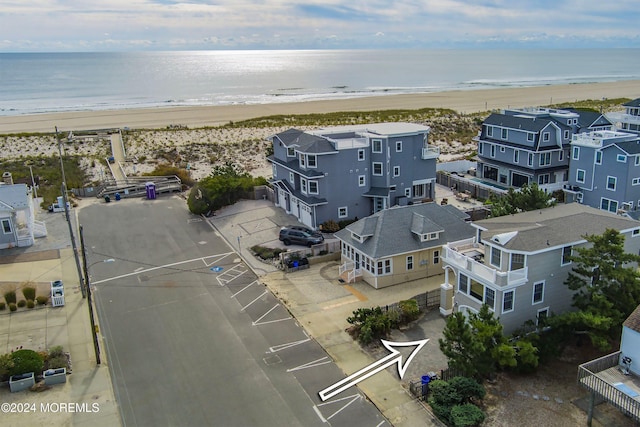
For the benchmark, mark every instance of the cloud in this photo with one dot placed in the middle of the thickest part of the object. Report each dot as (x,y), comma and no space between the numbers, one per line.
(244,24)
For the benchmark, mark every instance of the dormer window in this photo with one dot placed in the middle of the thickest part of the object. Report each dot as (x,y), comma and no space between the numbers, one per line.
(311,160)
(429,236)
(291,152)
(357,237)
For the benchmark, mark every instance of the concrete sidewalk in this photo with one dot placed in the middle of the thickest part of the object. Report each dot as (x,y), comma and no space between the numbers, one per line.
(87,398)
(322,304)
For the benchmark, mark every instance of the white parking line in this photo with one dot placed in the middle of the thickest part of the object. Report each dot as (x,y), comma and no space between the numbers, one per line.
(324,420)
(322,361)
(249,285)
(287,345)
(258,321)
(257,298)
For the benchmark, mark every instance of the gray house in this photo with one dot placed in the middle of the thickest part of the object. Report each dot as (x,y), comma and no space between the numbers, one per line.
(17,217)
(629,121)
(526,146)
(517,264)
(351,172)
(400,244)
(605,170)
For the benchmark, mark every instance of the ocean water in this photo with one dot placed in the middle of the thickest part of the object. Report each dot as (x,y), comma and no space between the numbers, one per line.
(52,82)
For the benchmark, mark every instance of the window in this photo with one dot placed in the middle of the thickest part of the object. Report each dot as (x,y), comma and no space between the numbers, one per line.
(376,145)
(566,134)
(546,136)
(291,152)
(543,179)
(480,147)
(517,261)
(495,256)
(598,157)
(530,137)
(342,212)
(274,170)
(516,156)
(621,158)
(566,255)
(580,176)
(545,159)
(637,161)
(377,168)
(489,130)
(502,149)
(410,262)
(490,297)
(303,160)
(396,171)
(291,177)
(530,159)
(360,154)
(362,180)
(560,155)
(398,146)
(463,283)
(636,232)
(542,316)
(311,161)
(436,257)
(407,192)
(609,205)
(6,226)
(303,185)
(538,292)
(505,133)
(576,153)
(611,183)
(476,290)
(635,181)
(386,264)
(507,301)
(313,187)
(493,150)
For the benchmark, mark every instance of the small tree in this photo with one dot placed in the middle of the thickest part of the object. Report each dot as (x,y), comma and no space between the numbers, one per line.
(29,293)
(527,198)
(26,361)
(460,345)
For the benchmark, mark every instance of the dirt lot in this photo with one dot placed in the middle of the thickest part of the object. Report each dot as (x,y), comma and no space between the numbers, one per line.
(549,398)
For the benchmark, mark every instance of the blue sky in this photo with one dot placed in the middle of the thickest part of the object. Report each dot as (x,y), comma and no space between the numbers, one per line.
(122,25)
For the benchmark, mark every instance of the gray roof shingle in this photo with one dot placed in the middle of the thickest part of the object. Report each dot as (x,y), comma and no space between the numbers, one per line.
(633,321)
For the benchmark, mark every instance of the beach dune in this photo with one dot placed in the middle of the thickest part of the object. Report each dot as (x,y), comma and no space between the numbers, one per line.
(468,101)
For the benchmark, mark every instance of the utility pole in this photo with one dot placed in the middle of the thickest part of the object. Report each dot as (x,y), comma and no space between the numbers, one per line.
(94,330)
(66,213)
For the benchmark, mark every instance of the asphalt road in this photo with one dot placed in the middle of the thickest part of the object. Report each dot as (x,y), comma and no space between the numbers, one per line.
(192,337)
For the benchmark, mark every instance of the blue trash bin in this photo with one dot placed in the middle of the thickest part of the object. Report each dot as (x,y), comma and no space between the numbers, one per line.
(426,379)
(118,196)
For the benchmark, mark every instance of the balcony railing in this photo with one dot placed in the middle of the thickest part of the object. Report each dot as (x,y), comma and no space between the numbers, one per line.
(624,118)
(430,153)
(486,273)
(601,376)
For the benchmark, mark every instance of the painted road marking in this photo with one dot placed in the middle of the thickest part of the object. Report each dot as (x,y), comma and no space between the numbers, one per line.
(216,258)
(233,273)
(249,285)
(259,322)
(350,399)
(287,345)
(257,298)
(138,271)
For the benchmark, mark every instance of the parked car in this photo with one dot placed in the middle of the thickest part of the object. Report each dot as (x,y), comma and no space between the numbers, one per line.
(305,229)
(289,236)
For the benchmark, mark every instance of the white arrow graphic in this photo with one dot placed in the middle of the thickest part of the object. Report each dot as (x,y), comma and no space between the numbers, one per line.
(375,367)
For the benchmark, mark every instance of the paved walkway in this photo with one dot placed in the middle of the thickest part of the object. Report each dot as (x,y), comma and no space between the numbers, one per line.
(88,388)
(322,304)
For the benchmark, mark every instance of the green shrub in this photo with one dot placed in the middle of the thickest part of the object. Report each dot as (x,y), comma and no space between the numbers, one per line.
(29,293)
(13,306)
(26,361)
(6,364)
(370,324)
(467,388)
(30,303)
(330,226)
(10,297)
(3,305)
(466,415)
(22,303)
(56,351)
(409,310)
(42,300)
(57,362)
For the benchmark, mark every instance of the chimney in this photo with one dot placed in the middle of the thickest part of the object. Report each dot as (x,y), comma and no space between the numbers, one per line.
(7,178)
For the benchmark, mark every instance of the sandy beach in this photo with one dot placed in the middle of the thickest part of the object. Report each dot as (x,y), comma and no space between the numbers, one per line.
(194,140)
(461,101)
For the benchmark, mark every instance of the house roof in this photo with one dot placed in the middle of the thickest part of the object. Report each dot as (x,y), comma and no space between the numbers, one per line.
(629,147)
(393,231)
(305,142)
(633,321)
(14,197)
(588,119)
(559,225)
(379,129)
(520,122)
(632,103)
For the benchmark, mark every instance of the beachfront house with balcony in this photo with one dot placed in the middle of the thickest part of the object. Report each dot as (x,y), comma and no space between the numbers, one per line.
(400,244)
(517,264)
(518,147)
(350,172)
(629,121)
(605,170)
(615,378)
(17,217)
